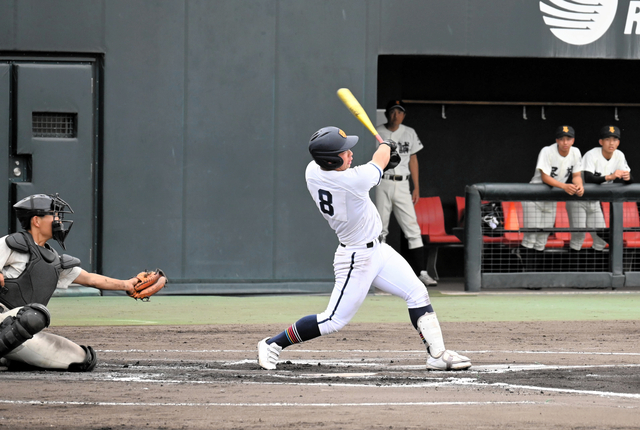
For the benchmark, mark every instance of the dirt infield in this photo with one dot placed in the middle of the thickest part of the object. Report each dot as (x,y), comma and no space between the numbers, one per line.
(568,375)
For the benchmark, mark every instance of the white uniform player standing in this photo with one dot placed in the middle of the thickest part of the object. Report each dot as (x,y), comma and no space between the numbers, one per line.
(342,197)
(559,165)
(603,164)
(394,195)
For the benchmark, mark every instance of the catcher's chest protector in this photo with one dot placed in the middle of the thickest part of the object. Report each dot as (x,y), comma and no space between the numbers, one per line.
(39,279)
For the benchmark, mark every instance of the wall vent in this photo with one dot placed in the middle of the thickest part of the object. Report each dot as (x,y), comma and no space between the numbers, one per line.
(54,125)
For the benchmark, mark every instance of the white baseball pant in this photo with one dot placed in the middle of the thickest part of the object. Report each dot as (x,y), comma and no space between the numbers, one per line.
(395,196)
(358,268)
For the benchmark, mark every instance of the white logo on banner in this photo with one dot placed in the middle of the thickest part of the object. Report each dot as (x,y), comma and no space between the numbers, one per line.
(578,22)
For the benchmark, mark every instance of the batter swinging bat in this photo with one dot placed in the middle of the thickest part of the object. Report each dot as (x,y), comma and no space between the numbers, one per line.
(356,109)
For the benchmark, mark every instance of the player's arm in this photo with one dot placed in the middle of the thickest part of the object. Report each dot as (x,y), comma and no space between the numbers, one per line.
(577,181)
(415,171)
(590,178)
(568,188)
(621,176)
(381,156)
(102,282)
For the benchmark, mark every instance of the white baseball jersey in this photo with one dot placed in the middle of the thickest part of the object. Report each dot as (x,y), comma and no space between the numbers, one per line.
(555,165)
(342,197)
(408,144)
(595,163)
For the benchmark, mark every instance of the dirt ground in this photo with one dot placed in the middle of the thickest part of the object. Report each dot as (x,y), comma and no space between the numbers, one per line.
(568,375)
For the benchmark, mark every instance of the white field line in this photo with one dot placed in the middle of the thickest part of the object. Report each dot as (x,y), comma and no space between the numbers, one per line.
(366,351)
(275,404)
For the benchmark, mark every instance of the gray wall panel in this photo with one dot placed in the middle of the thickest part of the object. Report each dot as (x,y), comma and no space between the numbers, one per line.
(229,166)
(7,34)
(209,105)
(66,26)
(143,136)
(493,30)
(310,71)
(419,26)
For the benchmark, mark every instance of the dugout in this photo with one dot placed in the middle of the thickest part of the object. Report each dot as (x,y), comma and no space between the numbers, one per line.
(189,119)
(484,119)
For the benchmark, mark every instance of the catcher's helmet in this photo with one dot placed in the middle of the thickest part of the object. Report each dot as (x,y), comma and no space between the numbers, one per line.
(41,205)
(327,143)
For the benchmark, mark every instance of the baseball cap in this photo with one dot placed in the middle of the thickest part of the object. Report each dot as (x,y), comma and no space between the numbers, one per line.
(565,130)
(609,131)
(395,104)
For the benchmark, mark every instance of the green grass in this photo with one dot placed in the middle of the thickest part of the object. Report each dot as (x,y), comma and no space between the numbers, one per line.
(171,310)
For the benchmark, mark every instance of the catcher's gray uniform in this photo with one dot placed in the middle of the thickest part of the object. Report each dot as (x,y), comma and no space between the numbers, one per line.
(394,194)
(43,350)
(542,214)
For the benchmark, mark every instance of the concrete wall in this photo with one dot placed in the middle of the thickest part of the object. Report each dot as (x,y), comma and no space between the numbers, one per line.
(208,106)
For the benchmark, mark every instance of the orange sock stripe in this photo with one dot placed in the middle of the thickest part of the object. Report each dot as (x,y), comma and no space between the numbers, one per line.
(292,335)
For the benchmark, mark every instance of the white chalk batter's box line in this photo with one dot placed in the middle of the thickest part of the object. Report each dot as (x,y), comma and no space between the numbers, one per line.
(274,404)
(363,351)
(453,379)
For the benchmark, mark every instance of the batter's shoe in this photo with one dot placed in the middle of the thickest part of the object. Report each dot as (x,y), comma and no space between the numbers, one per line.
(268,354)
(426,279)
(448,360)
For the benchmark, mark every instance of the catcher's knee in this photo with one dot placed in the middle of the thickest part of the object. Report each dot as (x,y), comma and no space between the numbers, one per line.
(15,330)
(88,363)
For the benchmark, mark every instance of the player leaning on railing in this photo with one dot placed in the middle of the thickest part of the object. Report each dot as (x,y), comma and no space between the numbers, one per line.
(604,164)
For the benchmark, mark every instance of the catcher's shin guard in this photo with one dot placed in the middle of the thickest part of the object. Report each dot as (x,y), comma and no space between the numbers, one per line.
(89,362)
(429,329)
(16,330)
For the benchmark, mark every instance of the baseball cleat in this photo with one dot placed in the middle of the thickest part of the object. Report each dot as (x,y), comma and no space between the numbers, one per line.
(268,354)
(426,279)
(449,360)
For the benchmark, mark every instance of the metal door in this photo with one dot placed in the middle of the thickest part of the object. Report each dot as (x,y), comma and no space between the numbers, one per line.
(54,146)
(5,145)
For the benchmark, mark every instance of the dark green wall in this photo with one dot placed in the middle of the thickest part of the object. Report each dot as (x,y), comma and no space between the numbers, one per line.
(207,107)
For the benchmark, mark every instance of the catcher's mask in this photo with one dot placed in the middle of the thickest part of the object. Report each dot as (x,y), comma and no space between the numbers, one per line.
(327,143)
(45,204)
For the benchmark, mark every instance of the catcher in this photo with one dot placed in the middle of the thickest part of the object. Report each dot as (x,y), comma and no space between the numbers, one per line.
(31,271)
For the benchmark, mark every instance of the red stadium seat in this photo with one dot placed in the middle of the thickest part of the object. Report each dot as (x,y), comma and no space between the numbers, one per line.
(630,218)
(431,221)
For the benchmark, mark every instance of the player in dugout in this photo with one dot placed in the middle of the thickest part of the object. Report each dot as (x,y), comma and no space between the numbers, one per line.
(341,195)
(604,164)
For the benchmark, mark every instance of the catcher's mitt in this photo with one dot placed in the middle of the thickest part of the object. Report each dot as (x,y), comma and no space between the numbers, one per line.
(148,284)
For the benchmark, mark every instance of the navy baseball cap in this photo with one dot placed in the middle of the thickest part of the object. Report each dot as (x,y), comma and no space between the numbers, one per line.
(609,131)
(395,104)
(565,130)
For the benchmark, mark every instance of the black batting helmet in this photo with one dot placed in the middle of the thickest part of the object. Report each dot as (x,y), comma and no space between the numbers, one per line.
(327,143)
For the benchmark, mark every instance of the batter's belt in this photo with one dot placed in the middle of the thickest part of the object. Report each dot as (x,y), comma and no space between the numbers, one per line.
(367,245)
(396,177)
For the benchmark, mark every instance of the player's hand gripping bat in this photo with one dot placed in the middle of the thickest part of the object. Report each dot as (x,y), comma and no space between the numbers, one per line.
(356,109)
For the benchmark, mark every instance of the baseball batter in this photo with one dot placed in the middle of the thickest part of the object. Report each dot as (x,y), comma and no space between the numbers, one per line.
(341,194)
(31,271)
(394,195)
(604,164)
(559,165)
